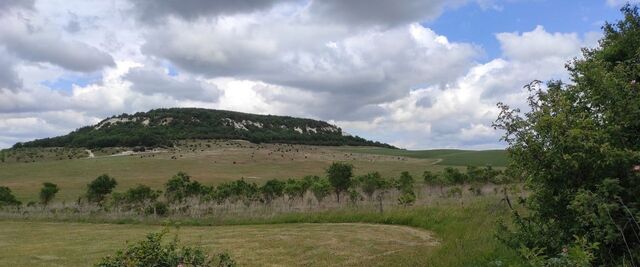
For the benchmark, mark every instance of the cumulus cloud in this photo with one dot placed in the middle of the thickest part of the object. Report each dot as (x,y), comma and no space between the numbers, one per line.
(152,11)
(38,43)
(460,113)
(363,68)
(538,44)
(151,81)
(367,66)
(6,5)
(378,12)
(9,78)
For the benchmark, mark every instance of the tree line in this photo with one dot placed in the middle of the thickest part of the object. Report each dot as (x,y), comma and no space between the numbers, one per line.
(339,181)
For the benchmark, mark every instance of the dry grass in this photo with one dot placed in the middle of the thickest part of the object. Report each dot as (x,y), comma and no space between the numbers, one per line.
(221,161)
(353,244)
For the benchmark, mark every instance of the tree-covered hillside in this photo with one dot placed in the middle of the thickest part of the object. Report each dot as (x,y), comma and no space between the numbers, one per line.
(161,127)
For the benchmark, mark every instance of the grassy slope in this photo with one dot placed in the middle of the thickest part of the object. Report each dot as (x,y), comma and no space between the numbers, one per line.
(211,166)
(497,158)
(465,233)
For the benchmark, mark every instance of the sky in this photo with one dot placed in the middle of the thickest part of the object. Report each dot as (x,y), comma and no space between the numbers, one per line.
(417,74)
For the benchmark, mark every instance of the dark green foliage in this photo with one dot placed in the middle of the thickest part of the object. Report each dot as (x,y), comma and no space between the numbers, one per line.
(339,175)
(405,186)
(236,190)
(354,196)
(162,127)
(405,183)
(48,192)
(430,177)
(153,252)
(294,189)
(320,188)
(7,198)
(369,183)
(180,187)
(141,197)
(158,208)
(453,176)
(99,188)
(578,146)
(272,189)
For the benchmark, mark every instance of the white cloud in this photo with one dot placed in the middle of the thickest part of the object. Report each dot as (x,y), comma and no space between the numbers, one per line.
(34,41)
(384,77)
(538,44)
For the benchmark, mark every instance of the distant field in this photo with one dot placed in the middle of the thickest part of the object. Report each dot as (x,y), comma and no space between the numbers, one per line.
(212,164)
(496,158)
(74,244)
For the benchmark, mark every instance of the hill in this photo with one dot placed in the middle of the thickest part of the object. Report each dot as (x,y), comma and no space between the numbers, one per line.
(163,127)
(496,158)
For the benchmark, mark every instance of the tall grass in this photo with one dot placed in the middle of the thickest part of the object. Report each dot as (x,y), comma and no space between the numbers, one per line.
(465,227)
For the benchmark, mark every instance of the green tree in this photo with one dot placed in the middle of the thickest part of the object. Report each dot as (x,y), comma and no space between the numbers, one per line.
(141,197)
(369,183)
(180,187)
(321,188)
(339,175)
(7,198)
(99,188)
(405,186)
(272,189)
(453,176)
(48,192)
(474,174)
(429,177)
(294,189)
(579,150)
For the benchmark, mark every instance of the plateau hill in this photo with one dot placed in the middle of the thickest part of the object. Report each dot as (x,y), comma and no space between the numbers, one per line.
(162,127)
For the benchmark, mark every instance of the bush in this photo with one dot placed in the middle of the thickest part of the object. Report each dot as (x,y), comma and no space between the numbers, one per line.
(272,189)
(579,149)
(141,197)
(152,252)
(158,209)
(7,198)
(48,192)
(407,199)
(99,188)
(180,187)
(321,188)
(369,183)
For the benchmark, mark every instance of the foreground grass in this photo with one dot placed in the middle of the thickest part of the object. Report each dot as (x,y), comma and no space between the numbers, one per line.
(464,231)
(79,244)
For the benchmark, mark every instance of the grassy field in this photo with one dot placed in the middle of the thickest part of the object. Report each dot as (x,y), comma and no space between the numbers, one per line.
(451,233)
(442,231)
(74,244)
(496,158)
(209,165)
